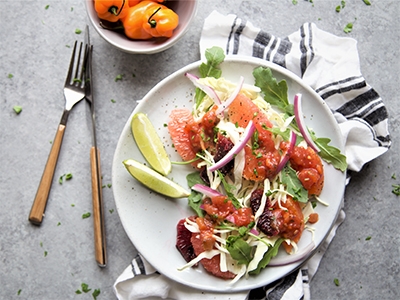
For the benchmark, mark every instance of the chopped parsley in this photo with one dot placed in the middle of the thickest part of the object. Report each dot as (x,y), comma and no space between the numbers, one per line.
(113,100)
(47,6)
(19,292)
(341,6)
(367,238)
(95,293)
(85,288)
(336,281)
(348,28)
(67,176)
(119,77)
(78,31)
(17,109)
(86,215)
(10,75)
(367,2)
(396,189)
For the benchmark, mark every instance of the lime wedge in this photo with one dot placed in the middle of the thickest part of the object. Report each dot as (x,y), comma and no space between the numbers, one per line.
(154,181)
(149,144)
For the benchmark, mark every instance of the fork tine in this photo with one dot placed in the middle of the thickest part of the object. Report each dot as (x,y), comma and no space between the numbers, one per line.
(77,76)
(71,66)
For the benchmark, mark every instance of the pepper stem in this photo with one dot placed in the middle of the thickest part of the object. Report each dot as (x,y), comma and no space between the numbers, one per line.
(153,23)
(114,9)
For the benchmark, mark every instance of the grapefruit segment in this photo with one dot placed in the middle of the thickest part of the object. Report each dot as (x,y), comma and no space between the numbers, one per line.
(182,127)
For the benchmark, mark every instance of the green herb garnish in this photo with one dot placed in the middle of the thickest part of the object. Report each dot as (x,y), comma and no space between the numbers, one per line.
(86,215)
(214,56)
(396,189)
(348,28)
(336,281)
(17,109)
(276,93)
(119,77)
(95,293)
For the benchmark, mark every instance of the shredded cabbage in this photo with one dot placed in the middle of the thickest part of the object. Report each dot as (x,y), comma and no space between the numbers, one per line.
(242,189)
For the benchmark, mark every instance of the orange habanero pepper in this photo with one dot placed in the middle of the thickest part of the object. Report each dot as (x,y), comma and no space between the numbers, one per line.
(111,10)
(134,2)
(133,21)
(160,22)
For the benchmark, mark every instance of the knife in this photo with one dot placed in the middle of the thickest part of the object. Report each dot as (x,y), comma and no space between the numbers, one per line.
(97,195)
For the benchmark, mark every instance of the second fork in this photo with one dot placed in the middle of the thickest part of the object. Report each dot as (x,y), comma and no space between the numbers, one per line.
(74,91)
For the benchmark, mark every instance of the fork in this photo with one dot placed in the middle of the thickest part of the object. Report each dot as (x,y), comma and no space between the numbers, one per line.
(74,91)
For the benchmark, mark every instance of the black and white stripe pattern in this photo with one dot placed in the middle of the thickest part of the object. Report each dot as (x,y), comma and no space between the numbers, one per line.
(360,101)
(138,267)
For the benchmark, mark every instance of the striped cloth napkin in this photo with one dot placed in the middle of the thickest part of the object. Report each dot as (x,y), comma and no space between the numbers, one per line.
(330,65)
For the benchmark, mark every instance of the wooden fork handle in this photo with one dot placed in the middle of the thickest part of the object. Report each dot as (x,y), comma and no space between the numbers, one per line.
(39,204)
(98,213)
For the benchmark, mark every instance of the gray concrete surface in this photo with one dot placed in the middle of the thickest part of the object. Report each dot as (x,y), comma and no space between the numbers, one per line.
(51,261)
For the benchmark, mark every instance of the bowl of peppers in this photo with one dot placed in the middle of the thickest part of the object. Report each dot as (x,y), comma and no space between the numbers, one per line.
(141,26)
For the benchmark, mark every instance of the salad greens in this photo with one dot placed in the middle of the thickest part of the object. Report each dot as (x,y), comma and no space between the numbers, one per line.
(276,94)
(214,56)
(243,249)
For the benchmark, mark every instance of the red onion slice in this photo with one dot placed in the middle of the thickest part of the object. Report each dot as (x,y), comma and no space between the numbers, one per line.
(205,190)
(298,113)
(247,134)
(286,155)
(224,105)
(230,218)
(205,88)
(291,259)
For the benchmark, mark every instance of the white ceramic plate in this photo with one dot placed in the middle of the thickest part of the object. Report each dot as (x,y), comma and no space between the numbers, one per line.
(150,219)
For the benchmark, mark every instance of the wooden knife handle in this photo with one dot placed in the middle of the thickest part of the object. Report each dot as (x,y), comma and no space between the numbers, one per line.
(42,194)
(98,213)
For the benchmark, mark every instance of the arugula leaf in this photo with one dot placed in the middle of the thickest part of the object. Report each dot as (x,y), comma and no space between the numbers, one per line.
(215,56)
(272,252)
(240,251)
(274,92)
(293,184)
(194,199)
(228,189)
(331,154)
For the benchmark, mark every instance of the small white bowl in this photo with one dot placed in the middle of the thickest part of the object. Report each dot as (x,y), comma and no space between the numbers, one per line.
(186,10)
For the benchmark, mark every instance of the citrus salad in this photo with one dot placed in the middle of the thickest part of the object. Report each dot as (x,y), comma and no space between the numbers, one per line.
(258,172)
